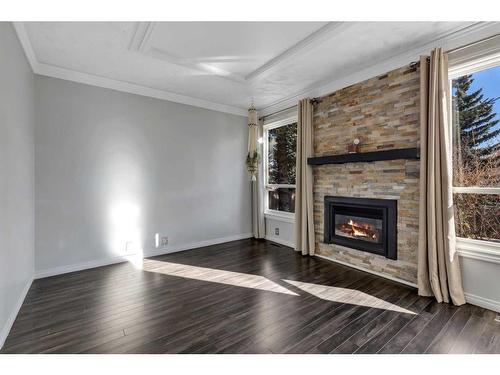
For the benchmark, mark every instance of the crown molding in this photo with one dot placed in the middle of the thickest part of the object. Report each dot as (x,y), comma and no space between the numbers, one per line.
(449,40)
(141,43)
(108,83)
(141,35)
(310,41)
(24,39)
(196,66)
(113,84)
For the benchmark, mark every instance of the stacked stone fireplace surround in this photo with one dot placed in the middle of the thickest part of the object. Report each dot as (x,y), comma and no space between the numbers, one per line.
(383,112)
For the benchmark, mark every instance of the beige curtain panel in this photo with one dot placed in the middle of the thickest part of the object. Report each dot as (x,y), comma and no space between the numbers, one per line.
(438,264)
(258,223)
(304,216)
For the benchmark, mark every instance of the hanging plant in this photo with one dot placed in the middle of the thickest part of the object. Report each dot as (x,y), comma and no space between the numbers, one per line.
(252,163)
(253,157)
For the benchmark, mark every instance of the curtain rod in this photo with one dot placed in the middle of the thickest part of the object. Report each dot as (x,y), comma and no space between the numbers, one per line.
(313,100)
(277,112)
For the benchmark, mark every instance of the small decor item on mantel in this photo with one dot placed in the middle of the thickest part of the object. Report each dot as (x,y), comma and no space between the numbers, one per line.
(354,147)
(253,157)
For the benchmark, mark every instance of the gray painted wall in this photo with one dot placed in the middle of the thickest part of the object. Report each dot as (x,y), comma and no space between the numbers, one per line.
(113,168)
(16,177)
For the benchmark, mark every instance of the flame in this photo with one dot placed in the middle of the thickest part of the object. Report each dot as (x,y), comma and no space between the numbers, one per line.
(355,228)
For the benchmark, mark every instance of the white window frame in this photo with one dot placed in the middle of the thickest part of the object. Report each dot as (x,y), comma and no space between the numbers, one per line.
(275,214)
(468,247)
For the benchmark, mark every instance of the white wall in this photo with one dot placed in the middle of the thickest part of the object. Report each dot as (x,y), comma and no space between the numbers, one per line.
(16,177)
(114,167)
(286,231)
(480,264)
(481,282)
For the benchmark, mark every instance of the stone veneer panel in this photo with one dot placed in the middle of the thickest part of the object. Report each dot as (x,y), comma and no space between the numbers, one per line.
(383,112)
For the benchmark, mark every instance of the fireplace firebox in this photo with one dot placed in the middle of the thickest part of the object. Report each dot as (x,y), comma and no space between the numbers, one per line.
(361,223)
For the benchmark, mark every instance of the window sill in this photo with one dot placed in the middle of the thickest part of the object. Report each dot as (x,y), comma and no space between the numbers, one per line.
(479,250)
(280,216)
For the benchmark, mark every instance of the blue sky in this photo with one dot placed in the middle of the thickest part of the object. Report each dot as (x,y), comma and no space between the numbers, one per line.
(489,80)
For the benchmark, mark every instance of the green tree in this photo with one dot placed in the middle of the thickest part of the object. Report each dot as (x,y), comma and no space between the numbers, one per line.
(476,161)
(282,153)
(477,130)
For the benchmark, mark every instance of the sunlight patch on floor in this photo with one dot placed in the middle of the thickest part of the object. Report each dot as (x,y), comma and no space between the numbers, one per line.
(136,259)
(345,295)
(243,280)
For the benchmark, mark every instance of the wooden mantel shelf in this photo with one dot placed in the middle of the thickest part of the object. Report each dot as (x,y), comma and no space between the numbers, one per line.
(401,153)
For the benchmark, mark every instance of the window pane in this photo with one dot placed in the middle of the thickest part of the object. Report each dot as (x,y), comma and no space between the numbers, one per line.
(477,216)
(282,199)
(476,129)
(282,144)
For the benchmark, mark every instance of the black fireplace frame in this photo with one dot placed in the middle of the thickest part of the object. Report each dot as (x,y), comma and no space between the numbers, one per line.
(388,209)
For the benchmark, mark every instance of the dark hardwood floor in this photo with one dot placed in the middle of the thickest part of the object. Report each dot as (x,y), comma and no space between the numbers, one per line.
(241,297)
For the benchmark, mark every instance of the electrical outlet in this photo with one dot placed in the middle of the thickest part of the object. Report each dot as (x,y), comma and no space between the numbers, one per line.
(276,231)
(164,241)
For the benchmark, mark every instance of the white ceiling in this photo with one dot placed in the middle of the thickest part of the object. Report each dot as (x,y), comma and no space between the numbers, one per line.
(223,65)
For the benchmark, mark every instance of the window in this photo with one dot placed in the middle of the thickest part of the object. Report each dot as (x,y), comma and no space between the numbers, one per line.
(476,151)
(280,144)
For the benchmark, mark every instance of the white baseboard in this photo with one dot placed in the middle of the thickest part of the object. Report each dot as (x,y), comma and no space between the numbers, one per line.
(396,279)
(40,274)
(195,245)
(470,298)
(280,241)
(12,317)
(483,302)
(120,259)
